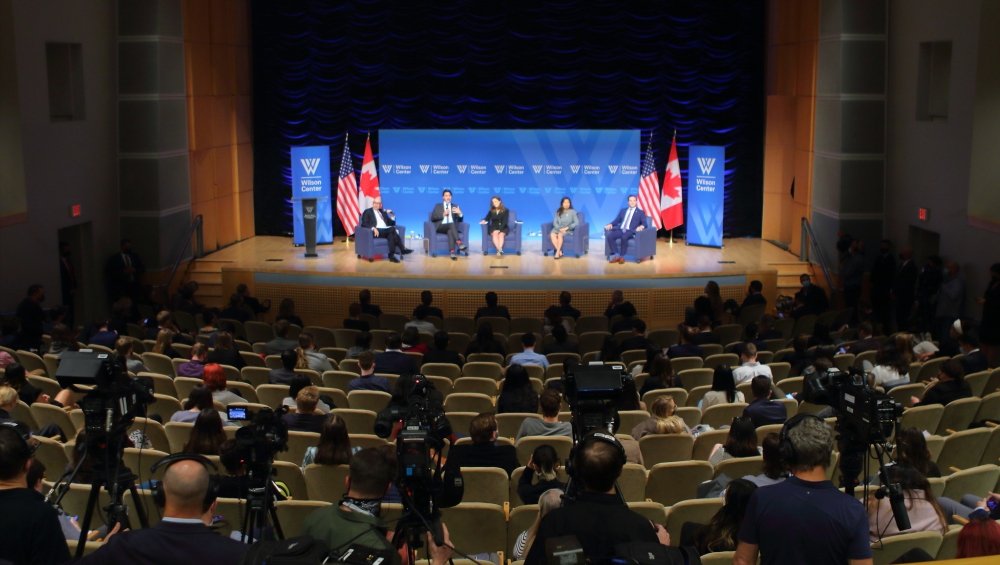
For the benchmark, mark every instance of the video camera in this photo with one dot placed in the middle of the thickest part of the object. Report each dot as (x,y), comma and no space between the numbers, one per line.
(114,400)
(592,392)
(864,414)
(258,441)
(424,485)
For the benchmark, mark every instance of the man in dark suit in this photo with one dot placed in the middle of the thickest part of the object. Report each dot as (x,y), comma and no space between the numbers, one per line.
(973,360)
(439,352)
(623,228)
(755,295)
(426,299)
(183,533)
(123,270)
(492,309)
(865,340)
(383,224)
(564,308)
(638,338)
(811,299)
(762,410)
(446,216)
(32,317)
(904,287)
(393,360)
(687,347)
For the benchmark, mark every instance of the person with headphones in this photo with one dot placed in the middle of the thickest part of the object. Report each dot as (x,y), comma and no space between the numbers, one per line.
(187,496)
(29,528)
(805,518)
(598,518)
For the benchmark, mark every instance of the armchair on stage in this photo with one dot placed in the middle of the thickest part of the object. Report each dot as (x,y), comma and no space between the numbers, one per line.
(512,243)
(576,243)
(437,243)
(642,246)
(369,247)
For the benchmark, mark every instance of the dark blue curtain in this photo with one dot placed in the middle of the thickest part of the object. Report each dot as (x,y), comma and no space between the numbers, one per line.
(323,67)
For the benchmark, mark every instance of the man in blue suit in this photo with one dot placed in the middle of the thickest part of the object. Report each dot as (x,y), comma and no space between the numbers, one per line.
(623,228)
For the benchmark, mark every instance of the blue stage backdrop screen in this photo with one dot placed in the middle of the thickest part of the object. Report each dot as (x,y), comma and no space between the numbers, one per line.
(530,170)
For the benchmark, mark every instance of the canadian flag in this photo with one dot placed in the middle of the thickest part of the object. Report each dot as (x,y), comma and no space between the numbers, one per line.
(672,202)
(369,178)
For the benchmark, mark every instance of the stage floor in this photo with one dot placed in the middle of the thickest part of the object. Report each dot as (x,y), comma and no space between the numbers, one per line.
(276,260)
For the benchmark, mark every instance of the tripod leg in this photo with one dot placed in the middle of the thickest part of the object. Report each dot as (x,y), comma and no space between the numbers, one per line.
(274,520)
(140,509)
(95,489)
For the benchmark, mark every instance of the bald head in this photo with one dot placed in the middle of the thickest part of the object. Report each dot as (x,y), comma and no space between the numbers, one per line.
(185,484)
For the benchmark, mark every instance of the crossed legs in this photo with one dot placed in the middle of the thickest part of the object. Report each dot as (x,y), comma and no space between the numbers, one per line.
(618,241)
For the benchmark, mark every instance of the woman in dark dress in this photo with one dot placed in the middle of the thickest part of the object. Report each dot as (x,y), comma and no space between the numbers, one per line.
(496,219)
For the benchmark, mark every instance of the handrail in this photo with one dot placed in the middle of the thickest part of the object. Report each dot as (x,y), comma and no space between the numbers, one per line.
(199,250)
(809,240)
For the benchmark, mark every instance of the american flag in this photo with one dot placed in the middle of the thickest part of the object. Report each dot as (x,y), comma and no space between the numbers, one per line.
(649,187)
(347,193)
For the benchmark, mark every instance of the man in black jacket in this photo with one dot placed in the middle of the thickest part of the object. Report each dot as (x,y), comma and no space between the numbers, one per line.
(393,360)
(383,224)
(597,518)
(183,533)
(904,288)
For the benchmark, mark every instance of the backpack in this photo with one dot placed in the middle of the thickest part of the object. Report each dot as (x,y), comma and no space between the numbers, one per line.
(293,551)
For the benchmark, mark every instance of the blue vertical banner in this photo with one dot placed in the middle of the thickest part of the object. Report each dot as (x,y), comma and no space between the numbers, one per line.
(311,179)
(706,182)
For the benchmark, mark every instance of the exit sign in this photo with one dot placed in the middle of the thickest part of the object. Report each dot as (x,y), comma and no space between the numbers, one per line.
(923,214)
(75,210)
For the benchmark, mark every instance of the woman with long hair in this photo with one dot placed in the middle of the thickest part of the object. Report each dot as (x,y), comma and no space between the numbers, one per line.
(891,369)
(517,394)
(484,341)
(721,531)
(723,389)
(660,373)
(207,434)
(921,506)
(564,222)
(716,306)
(540,475)
(334,447)
(741,442)
(16,377)
(496,221)
(547,502)
(911,449)
(215,382)
(164,339)
(979,538)
(663,419)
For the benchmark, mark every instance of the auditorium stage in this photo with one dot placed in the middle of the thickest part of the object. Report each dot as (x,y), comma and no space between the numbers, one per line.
(275,269)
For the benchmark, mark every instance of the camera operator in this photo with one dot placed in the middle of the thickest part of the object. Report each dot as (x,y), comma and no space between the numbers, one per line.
(804,519)
(597,518)
(29,529)
(189,497)
(355,519)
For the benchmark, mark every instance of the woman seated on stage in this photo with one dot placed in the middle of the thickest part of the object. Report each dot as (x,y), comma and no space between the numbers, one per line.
(497,219)
(564,222)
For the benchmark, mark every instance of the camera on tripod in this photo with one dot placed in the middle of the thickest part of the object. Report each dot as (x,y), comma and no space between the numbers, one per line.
(592,392)
(867,415)
(261,438)
(115,399)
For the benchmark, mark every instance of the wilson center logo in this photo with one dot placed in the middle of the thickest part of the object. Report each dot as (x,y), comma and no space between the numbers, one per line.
(706,164)
(310,165)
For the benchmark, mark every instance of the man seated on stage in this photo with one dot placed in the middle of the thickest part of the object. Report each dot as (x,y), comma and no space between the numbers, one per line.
(383,224)
(445,217)
(623,228)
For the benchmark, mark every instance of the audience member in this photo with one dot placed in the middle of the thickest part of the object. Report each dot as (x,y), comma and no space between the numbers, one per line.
(195,367)
(215,381)
(517,394)
(528,356)
(365,300)
(281,341)
(309,358)
(762,410)
(353,320)
(299,382)
(766,330)
(356,519)
(755,295)
(710,304)
(782,520)
(200,398)
(492,309)
(687,347)
(207,434)
(921,506)
(362,342)
(439,352)
(549,425)
(626,318)
(164,341)
(393,360)
(615,305)
(484,450)
(703,334)
(103,334)
(865,341)
(255,306)
(225,353)
(334,447)
(16,378)
(547,501)
(284,375)
(980,537)
(973,359)
(723,389)
(540,475)
(32,318)
(662,420)
(722,531)
(368,380)
(810,299)
(659,372)
(948,386)
(411,341)
(564,307)
(890,369)
(597,518)
(821,335)
(911,449)
(185,301)
(741,442)
(236,310)
(750,367)
(426,299)
(286,312)
(560,342)
(305,418)
(773,469)
(638,338)
(485,342)
(950,300)
(420,321)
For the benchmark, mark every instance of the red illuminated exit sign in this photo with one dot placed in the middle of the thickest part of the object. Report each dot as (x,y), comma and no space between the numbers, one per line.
(923,214)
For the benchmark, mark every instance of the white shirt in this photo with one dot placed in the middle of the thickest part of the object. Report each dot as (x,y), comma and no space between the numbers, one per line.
(447,213)
(747,371)
(380,220)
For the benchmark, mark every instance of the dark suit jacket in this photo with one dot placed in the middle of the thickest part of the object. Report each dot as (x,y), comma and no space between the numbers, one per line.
(484,455)
(764,412)
(498,312)
(867,344)
(169,543)
(431,311)
(360,325)
(753,299)
(974,362)
(705,337)
(395,362)
(636,342)
(437,215)
(442,356)
(497,222)
(905,283)
(369,221)
(638,217)
(685,350)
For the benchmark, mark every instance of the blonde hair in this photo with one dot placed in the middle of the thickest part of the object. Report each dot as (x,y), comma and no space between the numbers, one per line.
(7,395)
(666,421)
(547,501)
(163,341)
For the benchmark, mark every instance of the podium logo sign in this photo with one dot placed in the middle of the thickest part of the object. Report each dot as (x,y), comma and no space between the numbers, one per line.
(310,165)
(706,164)
(311,181)
(706,186)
